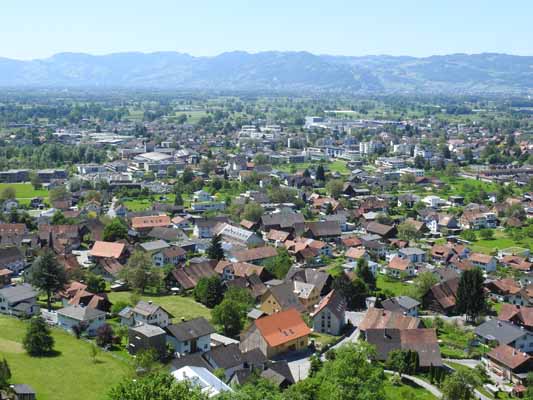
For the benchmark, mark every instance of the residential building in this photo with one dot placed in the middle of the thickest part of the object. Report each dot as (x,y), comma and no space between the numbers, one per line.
(86,319)
(329,315)
(145,313)
(19,300)
(147,337)
(190,336)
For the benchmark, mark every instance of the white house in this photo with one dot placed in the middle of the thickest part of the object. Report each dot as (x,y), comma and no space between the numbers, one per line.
(87,319)
(190,336)
(145,313)
(200,377)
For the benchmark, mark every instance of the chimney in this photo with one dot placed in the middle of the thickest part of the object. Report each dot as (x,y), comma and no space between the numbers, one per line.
(150,302)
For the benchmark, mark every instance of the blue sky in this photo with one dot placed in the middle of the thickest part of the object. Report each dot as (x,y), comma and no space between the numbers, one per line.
(40,28)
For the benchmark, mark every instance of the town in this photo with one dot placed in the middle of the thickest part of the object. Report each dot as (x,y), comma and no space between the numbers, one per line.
(265,247)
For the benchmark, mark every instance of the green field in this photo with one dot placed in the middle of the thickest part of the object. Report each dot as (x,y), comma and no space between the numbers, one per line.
(395,286)
(406,391)
(178,306)
(333,166)
(24,192)
(71,375)
(501,241)
(192,116)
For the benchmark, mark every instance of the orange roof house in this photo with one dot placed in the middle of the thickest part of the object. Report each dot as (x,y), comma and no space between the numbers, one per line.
(149,222)
(107,249)
(277,333)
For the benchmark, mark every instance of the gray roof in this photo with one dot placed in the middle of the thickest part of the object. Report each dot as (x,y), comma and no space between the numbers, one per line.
(154,245)
(145,308)
(192,329)
(412,251)
(18,293)
(400,303)
(148,330)
(502,331)
(226,357)
(254,313)
(22,388)
(80,313)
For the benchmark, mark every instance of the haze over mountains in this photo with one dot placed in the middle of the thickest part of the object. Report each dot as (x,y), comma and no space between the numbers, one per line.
(279,71)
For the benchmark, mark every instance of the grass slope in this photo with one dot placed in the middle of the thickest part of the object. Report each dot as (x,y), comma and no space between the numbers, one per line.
(72,375)
(24,192)
(178,306)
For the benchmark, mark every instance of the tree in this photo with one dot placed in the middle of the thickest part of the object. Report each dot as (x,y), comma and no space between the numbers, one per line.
(407,179)
(334,188)
(365,273)
(94,351)
(58,193)
(228,315)
(95,283)
(486,234)
(47,275)
(354,291)
(187,176)
(178,200)
(460,385)
(471,294)
(215,250)
(5,374)
(8,193)
(115,230)
(279,265)
(252,212)
(104,335)
(140,273)
(145,362)
(208,291)
(320,173)
(407,231)
(38,341)
(451,170)
(469,235)
(35,180)
(231,312)
(157,386)
(403,361)
(423,283)
(58,218)
(315,365)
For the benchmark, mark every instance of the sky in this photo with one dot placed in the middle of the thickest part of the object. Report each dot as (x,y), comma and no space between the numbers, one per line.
(40,28)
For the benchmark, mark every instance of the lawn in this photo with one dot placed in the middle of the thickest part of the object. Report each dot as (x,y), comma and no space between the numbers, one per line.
(406,391)
(500,241)
(192,116)
(395,286)
(71,375)
(333,166)
(145,203)
(455,342)
(178,306)
(24,192)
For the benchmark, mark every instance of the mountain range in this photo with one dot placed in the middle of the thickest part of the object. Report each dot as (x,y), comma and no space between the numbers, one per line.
(276,71)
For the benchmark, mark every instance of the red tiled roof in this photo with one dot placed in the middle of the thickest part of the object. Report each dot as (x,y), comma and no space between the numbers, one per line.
(152,221)
(107,249)
(282,327)
(377,318)
(509,356)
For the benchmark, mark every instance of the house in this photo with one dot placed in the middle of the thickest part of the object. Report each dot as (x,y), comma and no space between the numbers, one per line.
(329,315)
(517,263)
(147,337)
(190,336)
(433,201)
(280,298)
(238,236)
(518,315)
(505,333)
(503,289)
(172,255)
(227,357)
(276,334)
(399,267)
(283,221)
(509,363)
(112,250)
(485,262)
(12,258)
(441,254)
(186,278)
(200,377)
(354,254)
(402,304)
(377,318)
(205,228)
(5,277)
(423,341)
(413,254)
(19,300)
(86,319)
(144,225)
(23,392)
(478,220)
(277,237)
(322,230)
(442,297)
(145,313)
(76,294)
(256,255)
(229,271)
(320,279)
(307,293)
(384,231)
